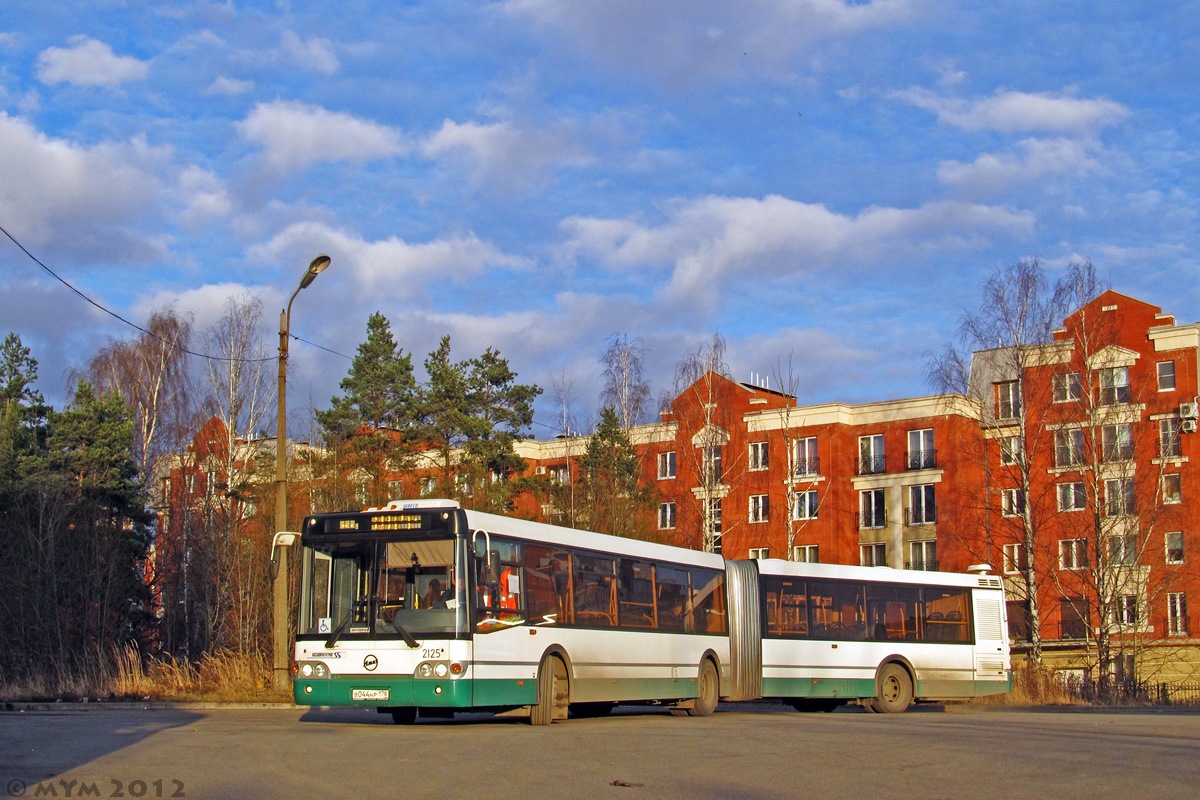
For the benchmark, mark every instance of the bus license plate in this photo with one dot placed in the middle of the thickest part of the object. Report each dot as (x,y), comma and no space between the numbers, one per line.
(370,694)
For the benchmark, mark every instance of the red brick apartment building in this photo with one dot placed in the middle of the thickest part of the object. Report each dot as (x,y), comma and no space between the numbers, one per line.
(1070,468)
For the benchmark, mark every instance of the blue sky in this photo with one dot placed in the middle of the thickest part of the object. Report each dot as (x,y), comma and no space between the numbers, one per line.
(820,181)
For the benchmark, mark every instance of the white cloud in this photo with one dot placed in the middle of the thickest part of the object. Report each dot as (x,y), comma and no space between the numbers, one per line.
(204,197)
(312,54)
(709,240)
(295,135)
(1033,159)
(502,154)
(393,266)
(231,87)
(682,40)
(88,62)
(81,200)
(1016,112)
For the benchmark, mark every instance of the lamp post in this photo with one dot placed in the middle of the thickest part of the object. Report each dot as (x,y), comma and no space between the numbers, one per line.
(280,678)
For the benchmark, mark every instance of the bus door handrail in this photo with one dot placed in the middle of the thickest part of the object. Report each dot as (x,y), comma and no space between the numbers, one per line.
(487,546)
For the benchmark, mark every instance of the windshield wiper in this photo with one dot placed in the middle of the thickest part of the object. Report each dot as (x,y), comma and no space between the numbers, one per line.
(340,629)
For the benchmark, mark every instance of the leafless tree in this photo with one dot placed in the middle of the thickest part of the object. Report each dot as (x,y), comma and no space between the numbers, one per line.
(626,388)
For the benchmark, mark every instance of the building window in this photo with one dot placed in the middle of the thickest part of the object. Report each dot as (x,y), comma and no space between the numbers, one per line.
(921,452)
(870,455)
(872,511)
(1067,388)
(1072,554)
(759,508)
(873,555)
(428,486)
(1012,502)
(1168,438)
(1008,400)
(1122,550)
(666,465)
(1117,441)
(760,552)
(1015,558)
(922,505)
(805,453)
(804,505)
(1072,496)
(711,465)
(1011,450)
(1166,376)
(560,474)
(1075,618)
(807,553)
(1114,385)
(922,555)
(759,455)
(1118,497)
(1068,447)
(1172,488)
(1174,542)
(666,516)
(1125,611)
(1177,621)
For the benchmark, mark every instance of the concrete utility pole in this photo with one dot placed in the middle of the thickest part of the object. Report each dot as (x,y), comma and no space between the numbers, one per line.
(281,680)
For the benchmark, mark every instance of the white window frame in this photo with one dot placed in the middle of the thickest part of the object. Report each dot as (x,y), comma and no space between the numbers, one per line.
(878,513)
(1072,496)
(1172,495)
(1120,497)
(1114,386)
(1066,387)
(1072,554)
(760,508)
(922,504)
(712,464)
(870,447)
(873,555)
(921,449)
(1015,560)
(1068,447)
(1165,373)
(922,554)
(1011,450)
(806,553)
(760,552)
(666,465)
(805,504)
(1012,502)
(760,454)
(667,519)
(1008,400)
(1177,621)
(1169,445)
(1126,611)
(1174,548)
(1122,550)
(1117,442)
(804,456)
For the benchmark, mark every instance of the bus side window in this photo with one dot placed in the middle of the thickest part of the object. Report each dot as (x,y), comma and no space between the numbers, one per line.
(672,599)
(547,583)
(708,601)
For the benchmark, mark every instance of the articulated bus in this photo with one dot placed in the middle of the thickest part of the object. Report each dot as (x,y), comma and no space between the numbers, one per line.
(425,608)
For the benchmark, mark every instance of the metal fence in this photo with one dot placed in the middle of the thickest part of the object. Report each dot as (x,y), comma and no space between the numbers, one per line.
(1133,693)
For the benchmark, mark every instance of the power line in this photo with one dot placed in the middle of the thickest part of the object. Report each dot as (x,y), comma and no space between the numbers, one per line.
(135,326)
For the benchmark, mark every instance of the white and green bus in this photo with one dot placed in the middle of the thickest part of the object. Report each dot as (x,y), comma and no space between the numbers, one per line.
(423,608)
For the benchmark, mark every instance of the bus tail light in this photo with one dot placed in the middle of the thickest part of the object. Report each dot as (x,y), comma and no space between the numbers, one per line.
(457,668)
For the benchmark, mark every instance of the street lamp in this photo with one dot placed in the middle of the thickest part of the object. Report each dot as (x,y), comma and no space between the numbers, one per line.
(280,678)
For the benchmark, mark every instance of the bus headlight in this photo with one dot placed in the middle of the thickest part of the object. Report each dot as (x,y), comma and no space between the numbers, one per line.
(314,670)
(306,670)
(432,670)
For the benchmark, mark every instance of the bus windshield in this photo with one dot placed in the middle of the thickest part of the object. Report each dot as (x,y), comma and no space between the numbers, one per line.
(383,588)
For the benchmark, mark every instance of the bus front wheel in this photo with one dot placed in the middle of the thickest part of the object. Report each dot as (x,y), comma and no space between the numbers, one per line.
(551,692)
(404,716)
(895,690)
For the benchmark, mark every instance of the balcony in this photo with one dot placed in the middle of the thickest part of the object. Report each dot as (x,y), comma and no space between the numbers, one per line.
(920,459)
(873,520)
(871,465)
(808,466)
(920,516)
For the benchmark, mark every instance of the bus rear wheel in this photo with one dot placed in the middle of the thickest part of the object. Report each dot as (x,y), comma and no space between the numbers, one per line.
(708,691)
(895,690)
(551,692)
(591,710)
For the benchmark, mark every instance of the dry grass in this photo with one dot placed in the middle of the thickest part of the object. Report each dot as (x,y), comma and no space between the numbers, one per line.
(1032,686)
(124,674)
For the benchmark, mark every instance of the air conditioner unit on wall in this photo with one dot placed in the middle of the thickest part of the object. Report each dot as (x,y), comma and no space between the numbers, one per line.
(539,471)
(1189,410)
(1187,426)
